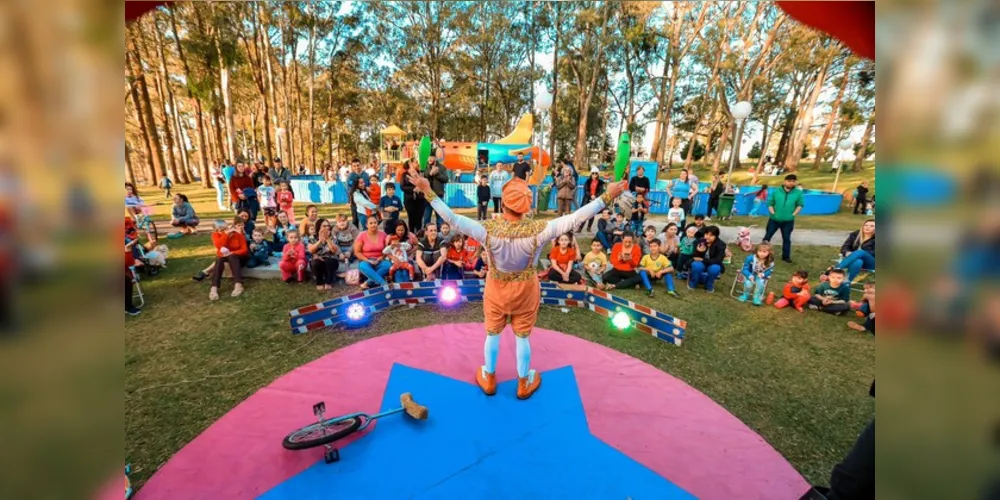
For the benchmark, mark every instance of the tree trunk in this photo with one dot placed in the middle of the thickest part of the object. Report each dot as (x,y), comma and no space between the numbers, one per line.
(162,96)
(312,98)
(182,150)
(727,137)
(273,120)
(254,151)
(289,159)
(865,140)
(299,134)
(763,144)
(145,108)
(799,138)
(834,113)
(168,98)
(554,110)
(202,153)
(791,115)
(129,173)
(217,125)
(226,96)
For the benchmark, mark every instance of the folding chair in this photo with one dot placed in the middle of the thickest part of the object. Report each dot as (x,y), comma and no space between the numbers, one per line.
(137,296)
(737,289)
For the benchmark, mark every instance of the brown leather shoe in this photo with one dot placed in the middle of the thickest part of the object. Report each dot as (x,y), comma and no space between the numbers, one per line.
(487,382)
(527,386)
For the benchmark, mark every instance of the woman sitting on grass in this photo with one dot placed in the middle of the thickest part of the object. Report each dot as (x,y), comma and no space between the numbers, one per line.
(368,249)
(230,248)
(562,257)
(671,244)
(859,251)
(707,264)
(325,253)
(183,216)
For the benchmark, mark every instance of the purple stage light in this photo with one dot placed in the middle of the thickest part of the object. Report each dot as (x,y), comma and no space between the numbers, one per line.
(449,295)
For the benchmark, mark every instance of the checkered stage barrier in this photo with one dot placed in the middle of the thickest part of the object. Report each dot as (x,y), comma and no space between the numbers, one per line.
(333,313)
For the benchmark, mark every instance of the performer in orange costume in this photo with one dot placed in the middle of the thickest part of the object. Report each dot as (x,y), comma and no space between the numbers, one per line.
(512,245)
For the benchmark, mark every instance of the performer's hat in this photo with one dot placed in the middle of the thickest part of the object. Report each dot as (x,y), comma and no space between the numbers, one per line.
(517,196)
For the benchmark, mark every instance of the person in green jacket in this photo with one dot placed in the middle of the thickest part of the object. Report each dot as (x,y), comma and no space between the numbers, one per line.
(784,204)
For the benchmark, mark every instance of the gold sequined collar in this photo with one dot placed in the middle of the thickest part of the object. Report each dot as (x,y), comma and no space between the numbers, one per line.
(524,228)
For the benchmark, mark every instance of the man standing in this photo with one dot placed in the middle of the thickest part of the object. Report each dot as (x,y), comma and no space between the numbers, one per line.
(497,180)
(522,169)
(512,293)
(279,173)
(352,182)
(640,183)
(861,200)
(784,204)
(438,177)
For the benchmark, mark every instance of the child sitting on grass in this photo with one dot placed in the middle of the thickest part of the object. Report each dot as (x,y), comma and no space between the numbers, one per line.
(654,267)
(482,268)
(832,296)
(293,258)
(796,292)
(401,270)
(260,250)
(595,263)
(647,236)
(757,269)
(865,309)
(562,257)
(454,266)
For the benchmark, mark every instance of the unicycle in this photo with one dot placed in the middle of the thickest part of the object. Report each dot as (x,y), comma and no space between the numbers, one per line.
(326,431)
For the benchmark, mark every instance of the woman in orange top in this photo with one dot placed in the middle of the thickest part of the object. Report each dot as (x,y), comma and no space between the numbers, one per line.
(230,247)
(625,258)
(562,256)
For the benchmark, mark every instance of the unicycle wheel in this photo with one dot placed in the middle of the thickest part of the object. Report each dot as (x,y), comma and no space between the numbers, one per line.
(320,434)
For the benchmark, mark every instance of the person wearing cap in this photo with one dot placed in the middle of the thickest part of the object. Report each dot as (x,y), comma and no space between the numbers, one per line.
(784,204)
(512,244)
(279,173)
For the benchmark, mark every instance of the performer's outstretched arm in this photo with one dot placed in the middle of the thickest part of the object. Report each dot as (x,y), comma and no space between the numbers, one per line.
(462,224)
(567,222)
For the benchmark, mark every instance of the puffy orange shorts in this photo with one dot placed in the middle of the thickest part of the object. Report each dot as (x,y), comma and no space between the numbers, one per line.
(515,302)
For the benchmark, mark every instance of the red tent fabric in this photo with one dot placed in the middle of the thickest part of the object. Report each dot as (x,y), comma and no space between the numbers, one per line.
(853,23)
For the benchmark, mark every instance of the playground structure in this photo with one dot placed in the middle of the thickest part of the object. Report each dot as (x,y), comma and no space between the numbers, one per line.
(464,156)
(357,309)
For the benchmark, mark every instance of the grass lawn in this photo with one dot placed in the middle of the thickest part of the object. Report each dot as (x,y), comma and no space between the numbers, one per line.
(801,381)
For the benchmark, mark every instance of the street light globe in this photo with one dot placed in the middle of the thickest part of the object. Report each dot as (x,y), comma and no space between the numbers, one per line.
(543,100)
(741,110)
(845,144)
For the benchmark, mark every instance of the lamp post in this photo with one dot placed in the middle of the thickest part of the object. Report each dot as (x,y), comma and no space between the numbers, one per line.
(543,101)
(842,146)
(741,111)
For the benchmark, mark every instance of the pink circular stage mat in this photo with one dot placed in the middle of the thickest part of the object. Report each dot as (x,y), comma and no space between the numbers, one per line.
(653,418)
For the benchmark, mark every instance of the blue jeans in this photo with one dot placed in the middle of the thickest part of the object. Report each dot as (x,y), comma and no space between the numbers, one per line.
(699,273)
(786,228)
(362,221)
(855,262)
(220,195)
(450,271)
(603,238)
(401,276)
(667,278)
(428,212)
(375,274)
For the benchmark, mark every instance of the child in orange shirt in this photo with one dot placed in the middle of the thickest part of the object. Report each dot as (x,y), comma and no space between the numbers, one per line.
(563,255)
(454,266)
(796,292)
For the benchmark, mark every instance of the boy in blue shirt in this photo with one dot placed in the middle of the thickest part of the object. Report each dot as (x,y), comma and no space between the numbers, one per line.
(833,296)
(390,206)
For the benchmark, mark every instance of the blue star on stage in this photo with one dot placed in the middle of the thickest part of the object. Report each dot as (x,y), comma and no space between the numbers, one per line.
(476,447)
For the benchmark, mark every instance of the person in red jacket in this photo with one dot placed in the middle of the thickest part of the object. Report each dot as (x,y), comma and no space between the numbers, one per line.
(230,247)
(625,258)
(293,258)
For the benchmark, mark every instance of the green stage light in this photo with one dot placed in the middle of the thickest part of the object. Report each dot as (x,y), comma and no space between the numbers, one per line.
(621,320)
